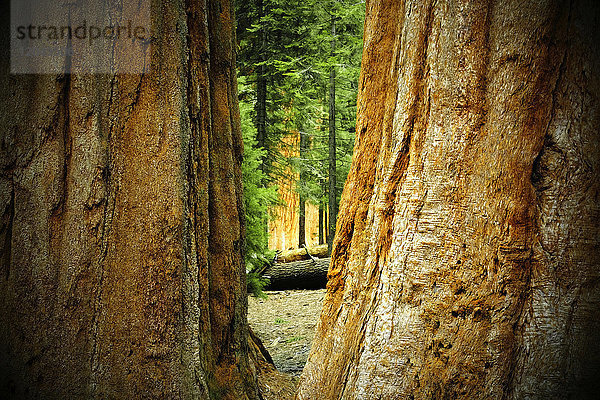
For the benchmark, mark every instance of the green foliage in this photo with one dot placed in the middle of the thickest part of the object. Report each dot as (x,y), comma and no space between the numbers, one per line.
(288,43)
(294,339)
(258,197)
(255,284)
(348,18)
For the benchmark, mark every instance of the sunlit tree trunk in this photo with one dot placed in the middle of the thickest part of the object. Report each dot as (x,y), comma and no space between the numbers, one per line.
(465,265)
(122,224)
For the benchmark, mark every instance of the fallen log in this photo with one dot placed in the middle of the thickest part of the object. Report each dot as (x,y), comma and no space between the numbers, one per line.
(301,254)
(305,274)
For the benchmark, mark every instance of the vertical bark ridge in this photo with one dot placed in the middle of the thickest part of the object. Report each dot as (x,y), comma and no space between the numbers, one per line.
(198,110)
(397,147)
(372,130)
(226,246)
(105,199)
(6,234)
(363,177)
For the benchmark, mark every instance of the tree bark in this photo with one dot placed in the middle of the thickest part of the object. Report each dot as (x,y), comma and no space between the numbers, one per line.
(323,216)
(302,221)
(122,228)
(321,220)
(466,261)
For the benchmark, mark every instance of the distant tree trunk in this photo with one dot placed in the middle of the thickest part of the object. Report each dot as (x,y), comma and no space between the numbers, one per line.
(261,87)
(326,226)
(302,221)
(321,216)
(122,224)
(302,195)
(466,263)
(261,101)
(332,146)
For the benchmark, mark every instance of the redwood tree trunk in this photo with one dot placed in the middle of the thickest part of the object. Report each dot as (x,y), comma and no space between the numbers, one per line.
(122,227)
(465,265)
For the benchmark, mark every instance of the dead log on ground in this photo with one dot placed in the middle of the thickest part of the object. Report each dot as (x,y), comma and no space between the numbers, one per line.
(305,274)
(300,254)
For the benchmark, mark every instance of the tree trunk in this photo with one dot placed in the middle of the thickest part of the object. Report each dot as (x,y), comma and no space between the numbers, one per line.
(323,215)
(326,225)
(321,233)
(305,274)
(332,146)
(302,221)
(301,192)
(122,228)
(261,88)
(466,261)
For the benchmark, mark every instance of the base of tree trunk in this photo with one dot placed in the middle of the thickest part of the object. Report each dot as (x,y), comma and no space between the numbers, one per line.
(273,384)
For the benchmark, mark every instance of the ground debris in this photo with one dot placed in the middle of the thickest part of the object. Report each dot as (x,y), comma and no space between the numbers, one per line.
(285,322)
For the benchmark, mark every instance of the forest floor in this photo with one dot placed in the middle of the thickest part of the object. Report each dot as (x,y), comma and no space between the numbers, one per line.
(285,322)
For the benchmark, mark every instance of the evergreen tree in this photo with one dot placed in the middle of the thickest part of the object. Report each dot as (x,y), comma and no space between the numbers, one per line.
(258,197)
(285,47)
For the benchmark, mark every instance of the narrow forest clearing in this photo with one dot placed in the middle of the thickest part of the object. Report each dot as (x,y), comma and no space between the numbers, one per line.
(285,322)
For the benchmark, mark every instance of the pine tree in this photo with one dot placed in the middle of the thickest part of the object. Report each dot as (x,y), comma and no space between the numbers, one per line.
(296,60)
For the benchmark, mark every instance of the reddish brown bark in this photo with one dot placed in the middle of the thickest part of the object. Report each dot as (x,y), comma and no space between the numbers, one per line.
(122,229)
(466,259)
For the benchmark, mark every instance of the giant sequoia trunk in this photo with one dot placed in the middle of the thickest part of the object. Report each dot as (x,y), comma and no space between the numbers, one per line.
(121,231)
(465,264)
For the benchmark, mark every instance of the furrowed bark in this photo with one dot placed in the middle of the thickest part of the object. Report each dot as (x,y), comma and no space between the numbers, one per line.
(122,272)
(466,259)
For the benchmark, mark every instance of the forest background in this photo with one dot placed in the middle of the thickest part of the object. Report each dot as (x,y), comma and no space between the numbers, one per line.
(298,70)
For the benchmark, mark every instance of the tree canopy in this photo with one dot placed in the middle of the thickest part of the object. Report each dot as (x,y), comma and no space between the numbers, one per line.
(284,61)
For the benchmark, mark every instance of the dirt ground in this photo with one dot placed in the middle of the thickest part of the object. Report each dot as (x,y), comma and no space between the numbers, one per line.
(285,322)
